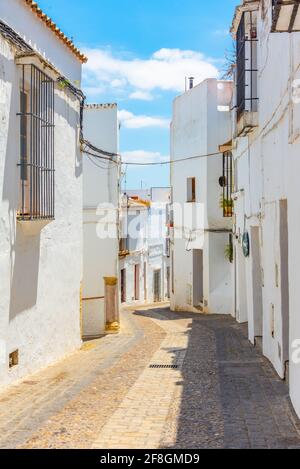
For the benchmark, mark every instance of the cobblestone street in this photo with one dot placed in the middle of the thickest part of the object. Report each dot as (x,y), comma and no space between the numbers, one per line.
(169,380)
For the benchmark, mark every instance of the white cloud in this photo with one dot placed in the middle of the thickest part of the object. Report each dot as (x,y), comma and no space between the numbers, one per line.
(141,95)
(165,70)
(142,156)
(132,121)
(221,32)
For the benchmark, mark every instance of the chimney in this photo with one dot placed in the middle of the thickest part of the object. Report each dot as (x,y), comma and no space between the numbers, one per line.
(191,82)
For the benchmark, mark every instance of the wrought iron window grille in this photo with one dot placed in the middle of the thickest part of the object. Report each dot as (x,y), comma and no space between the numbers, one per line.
(37,173)
(228,184)
(247,71)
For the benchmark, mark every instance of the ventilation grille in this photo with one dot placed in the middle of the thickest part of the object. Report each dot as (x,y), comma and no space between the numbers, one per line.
(164,367)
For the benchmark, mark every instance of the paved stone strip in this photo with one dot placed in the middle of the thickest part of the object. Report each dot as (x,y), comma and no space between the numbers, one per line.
(25,407)
(140,419)
(81,420)
(222,393)
(231,396)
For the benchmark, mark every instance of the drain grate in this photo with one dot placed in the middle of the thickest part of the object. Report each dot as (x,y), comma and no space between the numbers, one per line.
(164,367)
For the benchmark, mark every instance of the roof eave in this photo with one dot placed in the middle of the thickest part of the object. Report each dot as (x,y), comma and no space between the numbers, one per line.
(56,30)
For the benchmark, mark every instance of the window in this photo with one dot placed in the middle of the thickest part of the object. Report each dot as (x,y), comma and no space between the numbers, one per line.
(124,245)
(36,200)
(246,75)
(227,202)
(191,190)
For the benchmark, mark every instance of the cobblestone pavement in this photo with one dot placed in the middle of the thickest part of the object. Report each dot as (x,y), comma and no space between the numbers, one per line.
(169,380)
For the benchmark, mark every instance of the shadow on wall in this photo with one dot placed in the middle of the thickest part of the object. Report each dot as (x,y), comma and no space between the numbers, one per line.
(229,395)
(24,251)
(25,259)
(66,110)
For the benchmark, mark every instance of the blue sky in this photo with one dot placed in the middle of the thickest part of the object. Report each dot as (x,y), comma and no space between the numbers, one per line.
(140,52)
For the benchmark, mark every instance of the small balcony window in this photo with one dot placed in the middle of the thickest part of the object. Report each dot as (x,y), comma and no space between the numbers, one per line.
(124,245)
(227,184)
(285,16)
(247,69)
(36,201)
(191,190)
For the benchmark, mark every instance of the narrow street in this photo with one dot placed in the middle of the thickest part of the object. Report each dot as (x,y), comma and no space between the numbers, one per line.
(170,380)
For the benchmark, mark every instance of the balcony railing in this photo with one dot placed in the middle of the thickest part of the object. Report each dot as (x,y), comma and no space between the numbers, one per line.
(285,16)
(227,202)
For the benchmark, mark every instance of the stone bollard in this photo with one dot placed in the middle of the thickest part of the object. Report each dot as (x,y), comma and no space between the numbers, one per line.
(112,315)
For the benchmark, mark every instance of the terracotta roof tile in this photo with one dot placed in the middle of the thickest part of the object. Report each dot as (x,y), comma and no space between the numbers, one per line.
(56,30)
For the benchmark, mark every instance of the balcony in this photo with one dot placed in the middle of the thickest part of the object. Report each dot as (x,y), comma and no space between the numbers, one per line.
(247,73)
(285,16)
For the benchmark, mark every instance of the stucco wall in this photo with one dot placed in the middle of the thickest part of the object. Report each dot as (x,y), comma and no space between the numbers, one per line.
(268,170)
(198,128)
(21,18)
(41,269)
(100,213)
(148,248)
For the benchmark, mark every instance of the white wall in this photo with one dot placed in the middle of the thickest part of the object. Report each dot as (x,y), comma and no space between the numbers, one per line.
(40,269)
(198,128)
(34,31)
(147,242)
(100,212)
(268,168)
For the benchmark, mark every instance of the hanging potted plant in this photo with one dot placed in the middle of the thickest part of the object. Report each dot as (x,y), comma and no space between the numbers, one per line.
(227,206)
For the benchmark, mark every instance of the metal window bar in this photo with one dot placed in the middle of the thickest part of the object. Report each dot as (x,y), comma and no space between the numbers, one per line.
(247,71)
(228,186)
(36,145)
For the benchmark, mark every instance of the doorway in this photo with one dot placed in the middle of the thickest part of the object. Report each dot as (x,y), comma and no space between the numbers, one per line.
(257,282)
(168,282)
(137,282)
(284,275)
(157,286)
(198,290)
(145,282)
(123,285)
(241,287)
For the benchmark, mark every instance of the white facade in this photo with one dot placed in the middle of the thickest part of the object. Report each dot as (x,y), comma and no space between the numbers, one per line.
(267,205)
(201,274)
(40,261)
(100,214)
(144,256)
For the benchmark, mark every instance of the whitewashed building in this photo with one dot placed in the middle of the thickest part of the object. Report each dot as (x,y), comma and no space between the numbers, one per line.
(202,207)
(40,191)
(101,178)
(144,247)
(266,153)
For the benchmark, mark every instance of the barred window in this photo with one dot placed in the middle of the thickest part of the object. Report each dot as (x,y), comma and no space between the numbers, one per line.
(247,67)
(36,201)
(228,183)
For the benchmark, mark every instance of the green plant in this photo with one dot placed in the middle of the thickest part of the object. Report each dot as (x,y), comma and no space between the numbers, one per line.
(226,205)
(229,252)
(63,83)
